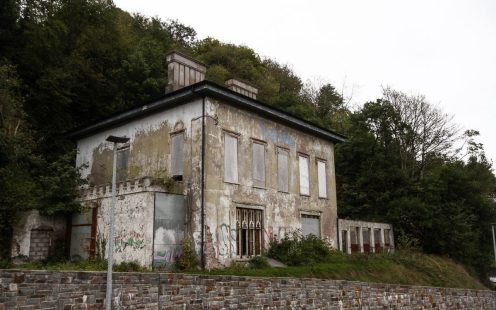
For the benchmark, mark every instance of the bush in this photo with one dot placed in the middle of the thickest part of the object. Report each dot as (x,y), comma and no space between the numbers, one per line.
(128,267)
(259,262)
(296,249)
(5,264)
(188,259)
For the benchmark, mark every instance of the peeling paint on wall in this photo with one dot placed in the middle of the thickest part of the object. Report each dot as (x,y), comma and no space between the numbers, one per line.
(281,211)
(150,157)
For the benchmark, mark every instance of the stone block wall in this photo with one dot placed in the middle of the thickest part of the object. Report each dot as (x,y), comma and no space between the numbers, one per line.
(41,243)
(86,290)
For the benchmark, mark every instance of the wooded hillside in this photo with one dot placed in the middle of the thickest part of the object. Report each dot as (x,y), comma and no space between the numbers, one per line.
(67,63)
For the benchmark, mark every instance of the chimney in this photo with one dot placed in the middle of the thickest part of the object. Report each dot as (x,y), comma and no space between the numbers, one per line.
(242,87)
(183,71)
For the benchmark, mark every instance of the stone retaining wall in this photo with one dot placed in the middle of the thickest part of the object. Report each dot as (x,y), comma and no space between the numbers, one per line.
(86,290)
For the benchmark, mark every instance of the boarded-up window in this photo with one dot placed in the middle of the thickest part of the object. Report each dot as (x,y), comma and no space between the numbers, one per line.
(282,170)
(230,158)
(310,225)
(121,164)
(321,171)
(176,144)
(258,164)
(304,180)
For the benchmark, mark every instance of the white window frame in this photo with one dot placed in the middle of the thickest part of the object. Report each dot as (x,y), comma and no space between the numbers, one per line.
(322,177)
(314,216)
(259,182)
(233,159)
(281,150)
(304,160)
(177,164)
(122,172)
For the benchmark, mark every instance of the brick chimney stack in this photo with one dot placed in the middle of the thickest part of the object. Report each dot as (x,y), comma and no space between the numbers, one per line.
(183,71)
(242,87)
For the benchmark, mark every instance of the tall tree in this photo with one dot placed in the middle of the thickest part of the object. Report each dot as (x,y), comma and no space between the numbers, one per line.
(424,133)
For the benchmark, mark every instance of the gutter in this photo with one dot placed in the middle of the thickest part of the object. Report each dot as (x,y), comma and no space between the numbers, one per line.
(211,89)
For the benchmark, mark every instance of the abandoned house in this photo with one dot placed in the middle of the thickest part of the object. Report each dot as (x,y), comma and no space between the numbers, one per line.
(204,161)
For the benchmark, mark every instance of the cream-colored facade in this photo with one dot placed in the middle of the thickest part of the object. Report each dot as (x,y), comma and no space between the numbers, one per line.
(208,162)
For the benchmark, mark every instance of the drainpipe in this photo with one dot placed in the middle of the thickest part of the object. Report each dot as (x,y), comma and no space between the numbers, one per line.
(203,187)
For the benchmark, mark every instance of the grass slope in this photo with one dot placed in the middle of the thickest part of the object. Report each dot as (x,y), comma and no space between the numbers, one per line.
(398,268)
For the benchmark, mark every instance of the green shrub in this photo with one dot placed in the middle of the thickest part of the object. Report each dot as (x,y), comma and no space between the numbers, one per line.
(259,262)
(188,259)
(128,267)
(296,250)
(5,264)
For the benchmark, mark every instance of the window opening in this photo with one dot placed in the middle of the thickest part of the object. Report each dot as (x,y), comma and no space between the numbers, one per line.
(230,159)
(321,173)
(304,180)
(249,225)
(177,166)
(282,170)
(122,164)
(310,225)
(258,164)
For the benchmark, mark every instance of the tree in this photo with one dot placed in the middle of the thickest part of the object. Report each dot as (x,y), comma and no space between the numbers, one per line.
(424,131)
(16,157)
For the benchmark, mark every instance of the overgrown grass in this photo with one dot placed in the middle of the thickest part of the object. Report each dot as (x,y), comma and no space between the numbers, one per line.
(83,265)
(402,267)
(398,268)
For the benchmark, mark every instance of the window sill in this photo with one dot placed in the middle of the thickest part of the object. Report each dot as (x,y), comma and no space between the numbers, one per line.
(232,183)
(259,187)
(305,195)
(282,192)
(323,198)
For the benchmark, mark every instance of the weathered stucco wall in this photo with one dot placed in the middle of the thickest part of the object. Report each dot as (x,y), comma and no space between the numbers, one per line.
(149,156)
(28,221)
(86,290)
(281,211)
(149,153)
(133,234)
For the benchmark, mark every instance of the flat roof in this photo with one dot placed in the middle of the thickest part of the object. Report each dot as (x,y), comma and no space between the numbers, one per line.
(199,90)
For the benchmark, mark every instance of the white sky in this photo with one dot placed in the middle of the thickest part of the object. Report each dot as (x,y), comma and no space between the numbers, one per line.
(443,49)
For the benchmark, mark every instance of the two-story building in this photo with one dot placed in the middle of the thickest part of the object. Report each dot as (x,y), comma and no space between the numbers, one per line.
(206,161)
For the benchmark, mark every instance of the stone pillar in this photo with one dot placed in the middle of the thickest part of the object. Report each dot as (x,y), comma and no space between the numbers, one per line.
(348,241)
(391,240)
(372,240)
(382,239)
(360,238)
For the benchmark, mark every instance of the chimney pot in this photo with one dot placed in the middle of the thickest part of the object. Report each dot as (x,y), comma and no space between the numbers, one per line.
(183,70)
(242,87)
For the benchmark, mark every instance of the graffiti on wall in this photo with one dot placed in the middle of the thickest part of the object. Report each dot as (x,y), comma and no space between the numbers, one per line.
(226,240)
(131,242)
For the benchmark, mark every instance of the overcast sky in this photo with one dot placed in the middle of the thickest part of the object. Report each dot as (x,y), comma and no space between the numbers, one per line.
(443,49)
